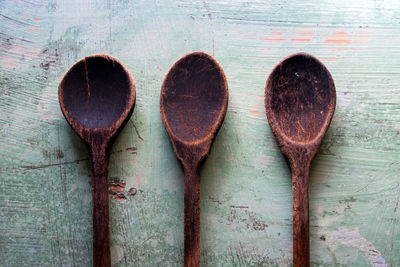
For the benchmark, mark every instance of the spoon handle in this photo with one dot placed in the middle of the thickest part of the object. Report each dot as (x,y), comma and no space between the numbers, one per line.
(301,230)
(192,218)
(101,228)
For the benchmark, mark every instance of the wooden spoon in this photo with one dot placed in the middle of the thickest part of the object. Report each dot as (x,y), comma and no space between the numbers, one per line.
(300,99)
(97,96)
(193,103)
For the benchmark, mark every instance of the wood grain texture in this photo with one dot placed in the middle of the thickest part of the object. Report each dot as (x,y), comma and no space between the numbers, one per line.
(246,219)
(100,209)
(191,224)
(193,104)
(300,99)
(97,97)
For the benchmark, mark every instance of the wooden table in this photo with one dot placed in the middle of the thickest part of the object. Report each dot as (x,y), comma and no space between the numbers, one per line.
(246,210)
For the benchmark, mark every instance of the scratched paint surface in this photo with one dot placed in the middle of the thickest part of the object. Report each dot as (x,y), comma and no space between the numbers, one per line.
(45,197)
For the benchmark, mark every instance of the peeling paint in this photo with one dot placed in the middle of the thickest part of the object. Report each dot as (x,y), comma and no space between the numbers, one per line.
(339,37)
(352,238)
(303,35)
(45,195)
(116,191)
(275,37)
(117,253)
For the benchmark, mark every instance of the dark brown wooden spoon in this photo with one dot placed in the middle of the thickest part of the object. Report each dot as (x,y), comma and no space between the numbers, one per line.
(97,96)
(300,99)
(193,103)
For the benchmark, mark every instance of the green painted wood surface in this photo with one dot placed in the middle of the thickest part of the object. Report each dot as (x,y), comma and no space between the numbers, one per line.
(45,197)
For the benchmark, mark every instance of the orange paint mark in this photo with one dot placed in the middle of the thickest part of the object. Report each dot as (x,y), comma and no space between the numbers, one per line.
(34,51)
(17,49)
(255,112)
(9,63)
(305,33)
(302,35)
(274,39)
(136,180)
(338,38)
(26,16)
(30,54)
(301,40)
(33,29)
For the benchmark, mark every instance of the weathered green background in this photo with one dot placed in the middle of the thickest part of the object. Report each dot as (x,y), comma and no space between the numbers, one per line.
(45,196)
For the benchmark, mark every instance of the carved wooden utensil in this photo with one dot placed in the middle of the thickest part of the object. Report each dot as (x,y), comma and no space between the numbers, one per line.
(193,103)
(300,99)
(97,96)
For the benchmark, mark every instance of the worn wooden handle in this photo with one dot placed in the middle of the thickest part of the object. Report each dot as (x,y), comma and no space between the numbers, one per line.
(301,230)
(192,218)
(101,227)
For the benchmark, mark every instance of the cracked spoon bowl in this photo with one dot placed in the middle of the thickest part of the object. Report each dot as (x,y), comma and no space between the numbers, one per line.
(97,97)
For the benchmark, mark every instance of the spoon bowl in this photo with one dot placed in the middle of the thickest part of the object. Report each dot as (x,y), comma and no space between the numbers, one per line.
(194,98)
(193,104)
(97,97)
(300,99)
